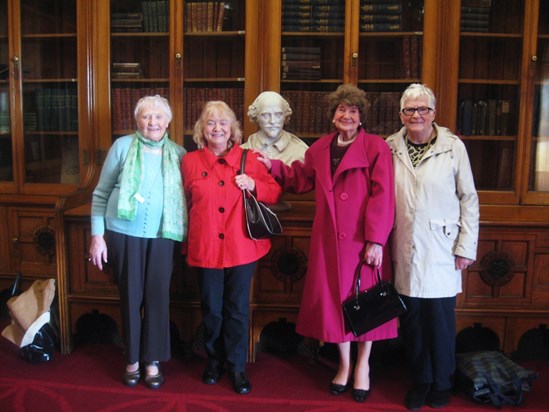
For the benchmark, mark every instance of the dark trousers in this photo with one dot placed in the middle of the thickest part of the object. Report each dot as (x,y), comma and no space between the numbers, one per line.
(428,330)
(225,296)
(143,269)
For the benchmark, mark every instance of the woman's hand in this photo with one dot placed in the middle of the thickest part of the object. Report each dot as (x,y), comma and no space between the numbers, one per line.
(263,159)
(98,251)
(373,254)
(463,263)
(245,182)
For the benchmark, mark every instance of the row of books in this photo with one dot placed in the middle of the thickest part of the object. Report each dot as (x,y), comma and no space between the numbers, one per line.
(205,16)
(380,16)
(153,17)
(128,70)
(123,103)
(411,56)
(301,63)
(484,117)
(56,110)
(382,114)
(194,99)
(475,15)
(313,16)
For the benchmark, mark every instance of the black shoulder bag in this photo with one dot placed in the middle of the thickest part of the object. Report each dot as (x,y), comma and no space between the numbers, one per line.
(261,222)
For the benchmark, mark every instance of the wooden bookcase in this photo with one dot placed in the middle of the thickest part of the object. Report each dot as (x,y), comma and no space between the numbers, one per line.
(107,53)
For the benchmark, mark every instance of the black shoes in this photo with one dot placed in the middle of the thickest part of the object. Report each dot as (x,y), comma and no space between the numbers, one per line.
(131,378)
(337,389)
(416,396)
(438,399)
(360,395)
(154,381)
(240,381)
(211,374)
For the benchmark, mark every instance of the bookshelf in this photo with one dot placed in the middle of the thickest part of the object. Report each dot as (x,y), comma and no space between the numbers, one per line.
(6,159)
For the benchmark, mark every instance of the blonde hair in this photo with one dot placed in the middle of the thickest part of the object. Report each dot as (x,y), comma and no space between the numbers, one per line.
(222,108)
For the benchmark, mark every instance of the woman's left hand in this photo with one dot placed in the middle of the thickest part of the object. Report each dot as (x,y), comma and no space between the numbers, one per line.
(244,181)
(463,263)
(374,254)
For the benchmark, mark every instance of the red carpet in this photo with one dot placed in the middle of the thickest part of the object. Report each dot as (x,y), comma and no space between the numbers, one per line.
(89,380)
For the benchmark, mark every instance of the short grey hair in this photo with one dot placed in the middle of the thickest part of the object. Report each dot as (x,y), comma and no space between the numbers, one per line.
(416,90)
(156,101)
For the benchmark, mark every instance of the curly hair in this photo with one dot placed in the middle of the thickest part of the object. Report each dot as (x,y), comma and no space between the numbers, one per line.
(253,111)
(223,109)
(348,94)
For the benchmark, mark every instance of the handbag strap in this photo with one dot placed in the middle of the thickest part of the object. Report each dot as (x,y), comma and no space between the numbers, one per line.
(243,162)
(358,274)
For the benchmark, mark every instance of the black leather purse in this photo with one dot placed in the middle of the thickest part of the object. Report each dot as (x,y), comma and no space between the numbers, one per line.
(261,222)
(371,308)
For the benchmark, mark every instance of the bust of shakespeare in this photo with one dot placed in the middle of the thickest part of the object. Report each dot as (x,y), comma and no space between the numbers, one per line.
(270,111)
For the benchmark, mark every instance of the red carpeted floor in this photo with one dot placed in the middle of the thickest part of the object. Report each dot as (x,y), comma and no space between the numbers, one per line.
(89,380)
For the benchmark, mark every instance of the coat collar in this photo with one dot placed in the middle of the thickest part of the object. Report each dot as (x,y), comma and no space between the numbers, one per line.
(232,158)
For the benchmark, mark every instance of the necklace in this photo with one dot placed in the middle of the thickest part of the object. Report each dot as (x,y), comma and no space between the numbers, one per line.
(343,143)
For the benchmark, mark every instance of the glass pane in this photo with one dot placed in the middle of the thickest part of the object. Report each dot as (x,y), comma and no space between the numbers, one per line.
(313,43)
(140,57)
(6,161)
(539,170)
(213,61)
(389,58)
(488,91)
(50,91)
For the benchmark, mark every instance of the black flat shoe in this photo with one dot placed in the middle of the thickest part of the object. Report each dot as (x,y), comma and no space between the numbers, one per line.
(154,381)
(337,389)
(131,378)
(240,381)
(360,395)
(211,375)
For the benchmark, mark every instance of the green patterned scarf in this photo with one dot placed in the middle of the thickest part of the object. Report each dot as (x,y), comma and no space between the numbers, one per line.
(174,214)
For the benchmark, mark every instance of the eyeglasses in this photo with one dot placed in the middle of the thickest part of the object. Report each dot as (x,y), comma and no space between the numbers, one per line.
(409,111)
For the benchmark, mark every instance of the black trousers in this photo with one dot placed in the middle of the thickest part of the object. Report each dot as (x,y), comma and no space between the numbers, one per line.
(428,330)
(225,296)
(143,268)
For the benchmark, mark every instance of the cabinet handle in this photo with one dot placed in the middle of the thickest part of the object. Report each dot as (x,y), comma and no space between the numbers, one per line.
(15,60)
(354,58)
(15,240)
(178,56)
(534,58)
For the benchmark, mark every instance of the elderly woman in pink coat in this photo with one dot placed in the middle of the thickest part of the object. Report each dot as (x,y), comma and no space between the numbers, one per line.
(351,173)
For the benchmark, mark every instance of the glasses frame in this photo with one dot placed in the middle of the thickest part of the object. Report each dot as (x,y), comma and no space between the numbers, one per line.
(425,109)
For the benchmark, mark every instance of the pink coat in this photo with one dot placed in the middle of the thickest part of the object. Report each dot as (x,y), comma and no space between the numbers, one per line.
(355,206)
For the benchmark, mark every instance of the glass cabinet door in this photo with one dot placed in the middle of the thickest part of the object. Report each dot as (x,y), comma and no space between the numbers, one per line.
(490,56)
(311,62)
(48,66)
(539,163)
(214,44)
(140,57)
(6,161)
(389,58)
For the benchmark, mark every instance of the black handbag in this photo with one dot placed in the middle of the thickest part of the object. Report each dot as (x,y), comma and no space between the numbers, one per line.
(492,377)
(371,308)
(261,222)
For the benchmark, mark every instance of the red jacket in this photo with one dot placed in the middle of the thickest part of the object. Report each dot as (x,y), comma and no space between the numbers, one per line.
(217,237)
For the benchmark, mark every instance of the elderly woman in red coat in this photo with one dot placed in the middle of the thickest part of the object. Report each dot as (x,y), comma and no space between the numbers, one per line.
(351,172)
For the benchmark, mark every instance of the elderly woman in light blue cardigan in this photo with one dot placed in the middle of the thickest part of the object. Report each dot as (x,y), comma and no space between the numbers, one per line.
(139,205)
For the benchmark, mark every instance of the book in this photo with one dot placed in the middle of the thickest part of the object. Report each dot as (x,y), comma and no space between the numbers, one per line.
(301,50)
(381,18)
(383,8)
(381,27)
(298,56)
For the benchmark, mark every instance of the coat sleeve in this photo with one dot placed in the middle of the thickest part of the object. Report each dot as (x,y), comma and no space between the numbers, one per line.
(468,202)
(380,210)
(297,178)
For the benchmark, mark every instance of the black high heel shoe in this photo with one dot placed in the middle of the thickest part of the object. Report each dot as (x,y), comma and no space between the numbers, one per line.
(360,395)
(338,389)
(154,381)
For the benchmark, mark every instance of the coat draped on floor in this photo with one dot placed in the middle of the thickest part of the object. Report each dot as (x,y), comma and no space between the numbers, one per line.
(353,207)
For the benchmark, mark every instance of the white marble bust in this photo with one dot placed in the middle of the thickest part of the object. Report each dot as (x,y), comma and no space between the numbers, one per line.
(271,112)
